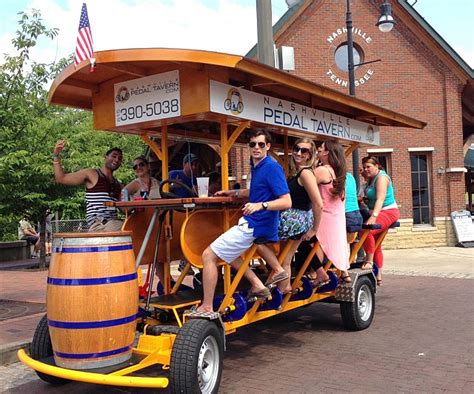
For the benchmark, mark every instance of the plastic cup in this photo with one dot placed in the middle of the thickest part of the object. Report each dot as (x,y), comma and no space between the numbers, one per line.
(203,186)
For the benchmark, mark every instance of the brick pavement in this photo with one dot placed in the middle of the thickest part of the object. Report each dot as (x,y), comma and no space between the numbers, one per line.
(421,340)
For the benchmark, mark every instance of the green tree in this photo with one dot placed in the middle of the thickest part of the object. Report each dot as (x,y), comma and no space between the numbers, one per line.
(29,128)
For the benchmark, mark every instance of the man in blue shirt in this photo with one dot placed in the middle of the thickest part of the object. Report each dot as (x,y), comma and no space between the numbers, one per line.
(187,175)
(268,195)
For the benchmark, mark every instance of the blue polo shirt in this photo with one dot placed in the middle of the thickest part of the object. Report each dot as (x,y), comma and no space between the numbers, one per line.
(268,183)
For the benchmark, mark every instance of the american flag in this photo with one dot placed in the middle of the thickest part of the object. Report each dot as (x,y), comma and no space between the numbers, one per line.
(84,47)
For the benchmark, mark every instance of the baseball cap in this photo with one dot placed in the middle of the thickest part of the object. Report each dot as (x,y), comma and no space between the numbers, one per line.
(190,157)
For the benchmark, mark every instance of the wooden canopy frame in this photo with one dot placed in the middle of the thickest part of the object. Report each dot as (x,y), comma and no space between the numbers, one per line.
(77,87)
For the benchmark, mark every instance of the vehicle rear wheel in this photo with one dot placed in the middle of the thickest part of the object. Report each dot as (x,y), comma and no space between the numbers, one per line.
(196,358)
(358,315)
(41,348)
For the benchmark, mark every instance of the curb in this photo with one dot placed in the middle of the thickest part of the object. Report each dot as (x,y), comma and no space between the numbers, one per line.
(8,351)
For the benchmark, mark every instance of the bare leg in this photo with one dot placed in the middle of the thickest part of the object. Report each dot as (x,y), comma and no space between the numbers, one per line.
(209,259)
(368,261)
(37,246)
(284,285)
(249,275)
(267,254)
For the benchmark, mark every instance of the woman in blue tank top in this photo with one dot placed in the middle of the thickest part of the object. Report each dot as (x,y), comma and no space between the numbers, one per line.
(383,210)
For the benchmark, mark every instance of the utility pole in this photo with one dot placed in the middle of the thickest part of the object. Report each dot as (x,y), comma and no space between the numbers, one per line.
(265,49)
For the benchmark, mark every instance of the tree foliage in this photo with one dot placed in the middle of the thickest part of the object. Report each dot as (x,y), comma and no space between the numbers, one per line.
(29,128)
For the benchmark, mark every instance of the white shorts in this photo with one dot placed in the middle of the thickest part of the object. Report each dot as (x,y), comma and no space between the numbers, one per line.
(235,241)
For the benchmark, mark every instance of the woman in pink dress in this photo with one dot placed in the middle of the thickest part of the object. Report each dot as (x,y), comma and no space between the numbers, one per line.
(331,178)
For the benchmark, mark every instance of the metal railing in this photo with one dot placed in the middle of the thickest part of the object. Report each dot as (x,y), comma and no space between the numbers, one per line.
(69,226)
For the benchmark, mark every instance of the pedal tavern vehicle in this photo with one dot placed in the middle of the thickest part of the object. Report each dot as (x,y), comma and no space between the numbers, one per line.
(100,326)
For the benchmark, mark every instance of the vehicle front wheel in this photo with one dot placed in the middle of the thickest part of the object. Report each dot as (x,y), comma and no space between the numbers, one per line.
(41,348)
(196,358)
(358,315)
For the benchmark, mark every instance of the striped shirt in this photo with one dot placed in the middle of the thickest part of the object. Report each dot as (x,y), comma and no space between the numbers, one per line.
(103,191)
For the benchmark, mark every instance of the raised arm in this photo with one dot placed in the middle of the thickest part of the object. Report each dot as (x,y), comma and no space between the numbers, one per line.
(86,177)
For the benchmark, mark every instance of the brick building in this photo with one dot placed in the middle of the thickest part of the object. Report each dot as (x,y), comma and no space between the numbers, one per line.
(418,75)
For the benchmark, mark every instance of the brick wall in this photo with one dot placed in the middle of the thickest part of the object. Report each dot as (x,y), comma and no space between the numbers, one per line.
(410,79)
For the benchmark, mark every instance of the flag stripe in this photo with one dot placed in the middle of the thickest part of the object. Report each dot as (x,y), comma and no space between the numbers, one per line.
(84,43)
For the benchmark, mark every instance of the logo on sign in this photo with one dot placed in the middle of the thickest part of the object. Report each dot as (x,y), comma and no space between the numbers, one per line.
(122,95)
(370,134)
(234,102)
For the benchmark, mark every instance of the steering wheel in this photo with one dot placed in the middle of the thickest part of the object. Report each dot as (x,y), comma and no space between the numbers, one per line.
(172,182)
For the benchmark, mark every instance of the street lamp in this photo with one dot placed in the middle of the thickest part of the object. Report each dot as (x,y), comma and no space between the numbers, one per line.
(385,24)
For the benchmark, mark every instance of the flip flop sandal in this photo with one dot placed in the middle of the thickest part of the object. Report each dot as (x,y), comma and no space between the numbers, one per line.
(264,293)
(277,278)
(318,285)
(345,279)
(367,265)
(379,282)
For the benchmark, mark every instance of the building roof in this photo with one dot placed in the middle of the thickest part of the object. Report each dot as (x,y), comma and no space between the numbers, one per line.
(281,25)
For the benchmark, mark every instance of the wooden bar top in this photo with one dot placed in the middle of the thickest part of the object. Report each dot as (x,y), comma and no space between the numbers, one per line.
(188,202)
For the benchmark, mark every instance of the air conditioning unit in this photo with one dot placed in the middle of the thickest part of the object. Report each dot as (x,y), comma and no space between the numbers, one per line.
(285,58)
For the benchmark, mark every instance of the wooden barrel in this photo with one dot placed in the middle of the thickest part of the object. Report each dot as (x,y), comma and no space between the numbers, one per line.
(92,299)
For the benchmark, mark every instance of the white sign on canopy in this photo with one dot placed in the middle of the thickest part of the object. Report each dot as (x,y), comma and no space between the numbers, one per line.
(148,98)
(230,100)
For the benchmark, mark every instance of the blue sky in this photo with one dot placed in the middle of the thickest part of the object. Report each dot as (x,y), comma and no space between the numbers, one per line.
(137,23)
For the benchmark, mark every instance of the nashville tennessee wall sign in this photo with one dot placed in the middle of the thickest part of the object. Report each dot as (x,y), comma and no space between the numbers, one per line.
(362,42)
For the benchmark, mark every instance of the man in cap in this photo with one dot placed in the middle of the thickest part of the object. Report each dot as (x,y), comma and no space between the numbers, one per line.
(187,175)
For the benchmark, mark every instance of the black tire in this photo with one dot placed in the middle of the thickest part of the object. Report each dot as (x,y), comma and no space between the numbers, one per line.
(41,348)
(358,315)
(196,358)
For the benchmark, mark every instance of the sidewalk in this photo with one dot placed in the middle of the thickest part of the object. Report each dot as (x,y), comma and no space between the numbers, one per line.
(30,286)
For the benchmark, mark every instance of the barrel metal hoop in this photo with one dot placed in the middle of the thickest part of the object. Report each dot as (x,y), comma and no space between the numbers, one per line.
(93,241)
(91,324)
(93,249)
(91,281)
(94,355)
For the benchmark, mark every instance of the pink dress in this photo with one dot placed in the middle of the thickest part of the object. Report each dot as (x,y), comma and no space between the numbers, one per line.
(332,229)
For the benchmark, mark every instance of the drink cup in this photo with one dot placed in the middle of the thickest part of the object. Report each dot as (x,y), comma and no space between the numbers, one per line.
(203,186)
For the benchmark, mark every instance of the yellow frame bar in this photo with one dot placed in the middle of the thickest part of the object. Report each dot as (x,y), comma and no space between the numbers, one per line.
(88,377)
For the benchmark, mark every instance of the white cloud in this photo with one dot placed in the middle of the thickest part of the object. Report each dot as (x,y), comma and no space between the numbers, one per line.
(227,26)
(230,27)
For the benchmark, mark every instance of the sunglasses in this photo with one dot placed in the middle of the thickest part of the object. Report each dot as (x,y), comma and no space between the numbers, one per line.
(261,145)
(139,165)
(298,148)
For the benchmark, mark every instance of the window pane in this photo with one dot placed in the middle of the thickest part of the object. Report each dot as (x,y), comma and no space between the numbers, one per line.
(422,163)
(416,216)
(340,57)
(423,180)
(425,201)
(414,163)
(415,198)
(420,189)
(425,213)
(383,162)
